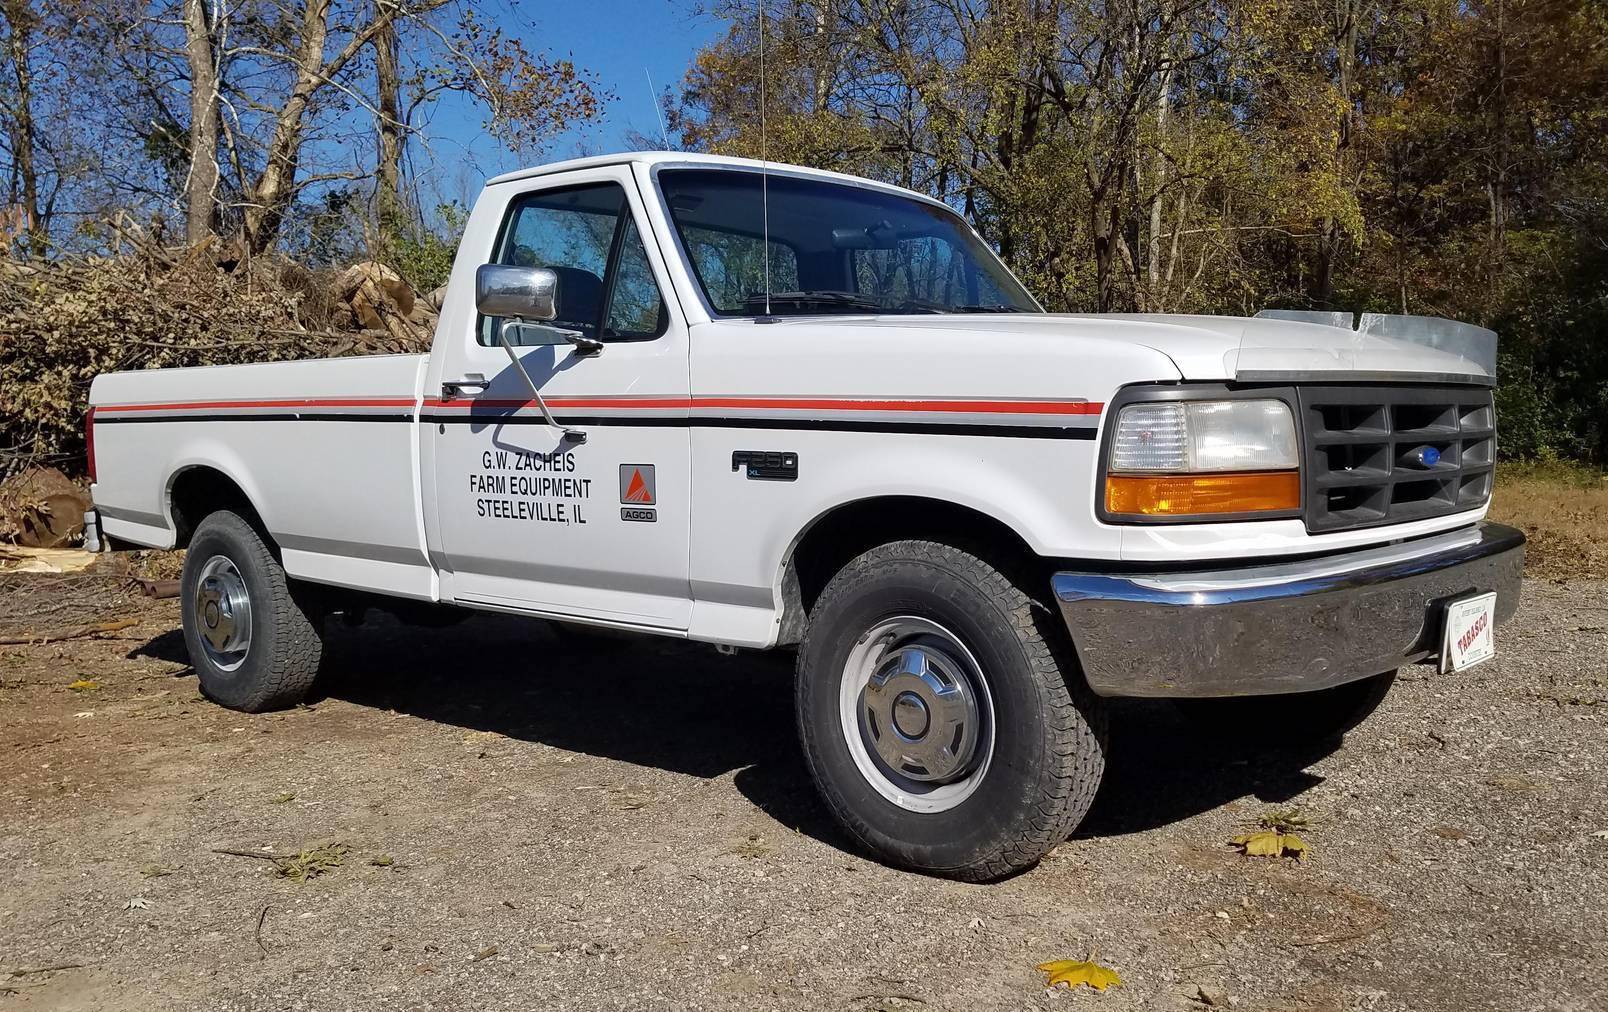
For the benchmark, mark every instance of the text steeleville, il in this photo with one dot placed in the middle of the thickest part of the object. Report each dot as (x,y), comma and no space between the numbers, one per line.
(522,485)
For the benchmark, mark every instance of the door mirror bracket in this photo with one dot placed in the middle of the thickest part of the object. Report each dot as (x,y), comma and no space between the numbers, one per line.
(539,335)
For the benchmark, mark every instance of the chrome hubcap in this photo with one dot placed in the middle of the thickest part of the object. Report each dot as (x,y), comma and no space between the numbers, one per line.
(921,713)
(916,714)
(222,613)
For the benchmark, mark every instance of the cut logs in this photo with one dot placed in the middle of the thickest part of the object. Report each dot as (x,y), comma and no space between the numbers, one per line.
(380,300)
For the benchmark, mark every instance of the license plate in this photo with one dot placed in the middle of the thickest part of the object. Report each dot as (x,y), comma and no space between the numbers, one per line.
(1470,638)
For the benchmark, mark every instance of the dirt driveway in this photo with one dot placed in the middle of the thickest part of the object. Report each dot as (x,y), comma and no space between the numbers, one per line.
(532,822)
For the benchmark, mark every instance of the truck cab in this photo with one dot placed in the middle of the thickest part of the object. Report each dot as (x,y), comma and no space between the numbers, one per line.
(763,406)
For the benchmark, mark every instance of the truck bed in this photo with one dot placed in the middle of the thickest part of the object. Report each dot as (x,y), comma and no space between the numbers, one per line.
(334,439)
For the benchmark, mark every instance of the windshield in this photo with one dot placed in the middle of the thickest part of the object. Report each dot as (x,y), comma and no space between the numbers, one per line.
(833,248)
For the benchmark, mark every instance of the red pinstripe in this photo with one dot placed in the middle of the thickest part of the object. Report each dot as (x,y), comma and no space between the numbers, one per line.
(341,402)
(1002,407)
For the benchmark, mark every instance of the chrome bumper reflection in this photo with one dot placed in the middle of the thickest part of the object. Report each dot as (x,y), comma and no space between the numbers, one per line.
(1284,627)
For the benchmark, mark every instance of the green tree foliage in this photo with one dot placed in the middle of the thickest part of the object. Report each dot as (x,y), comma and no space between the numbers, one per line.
(422,253)
(1442,157)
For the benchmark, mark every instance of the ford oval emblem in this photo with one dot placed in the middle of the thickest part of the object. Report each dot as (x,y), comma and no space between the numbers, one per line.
(1424,456)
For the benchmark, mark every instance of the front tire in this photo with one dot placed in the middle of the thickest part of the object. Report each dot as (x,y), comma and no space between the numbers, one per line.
(941,716)
(254,645)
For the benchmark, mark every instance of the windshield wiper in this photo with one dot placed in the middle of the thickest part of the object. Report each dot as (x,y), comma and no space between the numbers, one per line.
(833,299)
(800,300)
(922,306)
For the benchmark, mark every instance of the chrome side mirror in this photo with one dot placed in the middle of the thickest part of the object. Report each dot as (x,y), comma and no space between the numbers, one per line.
(527,297)
(517,293)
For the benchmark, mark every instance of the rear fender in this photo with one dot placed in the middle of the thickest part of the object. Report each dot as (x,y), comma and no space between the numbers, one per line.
(215,456)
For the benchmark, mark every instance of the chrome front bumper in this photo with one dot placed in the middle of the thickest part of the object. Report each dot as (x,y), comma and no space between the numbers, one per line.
(1283,627)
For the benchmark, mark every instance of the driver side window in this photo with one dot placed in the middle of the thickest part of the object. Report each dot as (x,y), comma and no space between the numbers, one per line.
(586,235)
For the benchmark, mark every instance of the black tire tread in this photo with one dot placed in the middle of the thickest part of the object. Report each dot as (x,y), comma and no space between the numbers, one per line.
(293,640)
(1073,724)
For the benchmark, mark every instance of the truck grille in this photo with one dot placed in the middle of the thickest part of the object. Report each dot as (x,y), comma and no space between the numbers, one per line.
(1387,454)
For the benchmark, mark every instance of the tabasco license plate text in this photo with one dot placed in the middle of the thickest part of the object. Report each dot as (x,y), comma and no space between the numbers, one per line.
(1469,638)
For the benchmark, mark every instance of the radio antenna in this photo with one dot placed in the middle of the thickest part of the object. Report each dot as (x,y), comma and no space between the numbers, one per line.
(664,135)
(764,163)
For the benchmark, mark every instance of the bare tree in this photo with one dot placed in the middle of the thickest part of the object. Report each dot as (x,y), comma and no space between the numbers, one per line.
(1331,233)
(22,27)
(388,126)
(201,183)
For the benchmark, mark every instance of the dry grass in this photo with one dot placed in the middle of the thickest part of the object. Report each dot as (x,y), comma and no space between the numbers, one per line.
(1563,508)
(312,862)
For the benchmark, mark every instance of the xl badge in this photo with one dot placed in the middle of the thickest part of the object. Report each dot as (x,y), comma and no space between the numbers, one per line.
(638,493)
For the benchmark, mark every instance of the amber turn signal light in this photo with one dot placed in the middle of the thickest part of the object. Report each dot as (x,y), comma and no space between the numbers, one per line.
(1196,494)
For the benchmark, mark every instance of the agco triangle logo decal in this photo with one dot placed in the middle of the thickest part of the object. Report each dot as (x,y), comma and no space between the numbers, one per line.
(637,485)
(638,493)
(637,490)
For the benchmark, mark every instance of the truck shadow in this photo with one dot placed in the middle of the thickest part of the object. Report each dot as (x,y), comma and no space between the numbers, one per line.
(649,701)
(685,709)
(1162,768)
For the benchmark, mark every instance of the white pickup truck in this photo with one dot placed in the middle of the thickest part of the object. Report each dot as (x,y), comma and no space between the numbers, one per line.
(769,407)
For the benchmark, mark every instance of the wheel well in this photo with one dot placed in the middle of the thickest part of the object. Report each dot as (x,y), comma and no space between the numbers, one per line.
(853,528)
(200,491)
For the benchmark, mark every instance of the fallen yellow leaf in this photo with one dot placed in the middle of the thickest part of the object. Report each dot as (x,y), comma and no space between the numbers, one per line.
(1073,972)
(1272,843)
(83,685)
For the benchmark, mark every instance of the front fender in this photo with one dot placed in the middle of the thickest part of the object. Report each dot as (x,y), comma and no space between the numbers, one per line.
(745,531)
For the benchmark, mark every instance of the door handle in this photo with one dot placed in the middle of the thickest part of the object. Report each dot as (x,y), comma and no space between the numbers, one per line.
(451,389)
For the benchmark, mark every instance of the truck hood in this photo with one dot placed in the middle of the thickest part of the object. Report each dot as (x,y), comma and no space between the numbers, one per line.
(1293,346)
(1273,347)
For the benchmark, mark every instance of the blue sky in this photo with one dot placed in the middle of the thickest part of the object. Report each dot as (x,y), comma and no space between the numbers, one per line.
(621,42)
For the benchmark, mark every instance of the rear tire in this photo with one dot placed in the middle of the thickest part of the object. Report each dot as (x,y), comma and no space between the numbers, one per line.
(1294,718)
(941,715)
(254,641)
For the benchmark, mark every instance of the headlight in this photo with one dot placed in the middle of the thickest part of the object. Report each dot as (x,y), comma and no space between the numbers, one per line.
(1188,458)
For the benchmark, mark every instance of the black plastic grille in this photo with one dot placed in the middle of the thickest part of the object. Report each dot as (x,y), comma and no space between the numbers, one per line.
(1367,447)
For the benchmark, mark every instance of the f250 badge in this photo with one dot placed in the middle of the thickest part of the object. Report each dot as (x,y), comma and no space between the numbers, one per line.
(638,493)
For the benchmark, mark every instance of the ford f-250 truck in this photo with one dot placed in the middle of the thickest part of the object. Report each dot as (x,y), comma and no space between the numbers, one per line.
(763,406)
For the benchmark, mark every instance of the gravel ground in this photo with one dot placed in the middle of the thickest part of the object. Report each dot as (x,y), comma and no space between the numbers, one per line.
(538,822)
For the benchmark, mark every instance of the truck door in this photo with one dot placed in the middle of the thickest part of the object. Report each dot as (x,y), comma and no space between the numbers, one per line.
(524,518)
